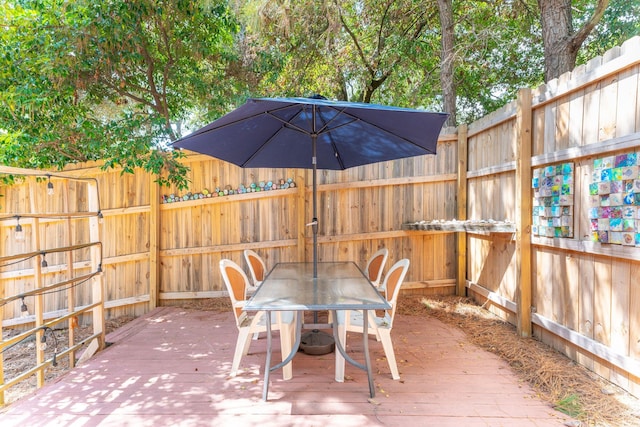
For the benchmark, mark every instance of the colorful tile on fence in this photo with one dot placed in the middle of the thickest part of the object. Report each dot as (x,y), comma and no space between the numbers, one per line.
(553,200)
(614,193)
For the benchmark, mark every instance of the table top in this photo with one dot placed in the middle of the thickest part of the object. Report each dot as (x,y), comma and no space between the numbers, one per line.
(339,286)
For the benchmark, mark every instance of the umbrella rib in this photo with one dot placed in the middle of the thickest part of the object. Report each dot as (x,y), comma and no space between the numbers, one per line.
(266,142)
(379,128)
(287,124)
(340,111)
(292,126)
(246,118)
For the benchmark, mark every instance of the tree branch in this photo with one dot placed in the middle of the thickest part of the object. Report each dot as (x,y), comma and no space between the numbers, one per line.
(355,40)
(580,36)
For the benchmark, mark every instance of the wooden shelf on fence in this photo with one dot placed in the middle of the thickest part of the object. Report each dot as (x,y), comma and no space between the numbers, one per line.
(229,198)
(473,226)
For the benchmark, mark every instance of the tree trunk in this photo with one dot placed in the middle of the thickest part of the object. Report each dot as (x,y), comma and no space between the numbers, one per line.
(447,60)
(561,43)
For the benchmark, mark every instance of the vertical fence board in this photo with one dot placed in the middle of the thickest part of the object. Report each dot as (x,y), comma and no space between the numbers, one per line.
(602,309)
(576,115)
(620,316)
(586,304)
(627,101)
(591,114)
(608,103)
(571,300)
(637,106)
(634,321)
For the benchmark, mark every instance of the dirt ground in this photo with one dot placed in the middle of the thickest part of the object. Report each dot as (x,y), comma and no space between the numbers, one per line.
(555,378)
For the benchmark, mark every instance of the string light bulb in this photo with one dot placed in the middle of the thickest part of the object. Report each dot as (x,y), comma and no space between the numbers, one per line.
(44,262)
(19,236)
(24,310)
(50,190)
(43,340)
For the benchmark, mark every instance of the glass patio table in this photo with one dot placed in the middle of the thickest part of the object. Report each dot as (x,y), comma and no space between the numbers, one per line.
(338,286)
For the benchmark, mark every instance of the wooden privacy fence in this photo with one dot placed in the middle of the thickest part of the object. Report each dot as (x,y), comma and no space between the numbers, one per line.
(557,266)
(561,163)
(359,211)
(161,252)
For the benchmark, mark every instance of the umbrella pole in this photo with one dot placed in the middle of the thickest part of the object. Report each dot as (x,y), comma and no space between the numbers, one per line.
(314,227)
(314,341)
(314,222)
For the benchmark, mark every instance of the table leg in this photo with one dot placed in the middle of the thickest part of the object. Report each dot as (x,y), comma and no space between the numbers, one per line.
(294,350)
(267,366)
(367,362)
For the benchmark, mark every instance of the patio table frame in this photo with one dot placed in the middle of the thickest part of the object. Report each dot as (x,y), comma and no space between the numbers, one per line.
(338,286)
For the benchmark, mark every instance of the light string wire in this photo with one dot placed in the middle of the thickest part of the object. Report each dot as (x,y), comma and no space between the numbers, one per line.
(48,176)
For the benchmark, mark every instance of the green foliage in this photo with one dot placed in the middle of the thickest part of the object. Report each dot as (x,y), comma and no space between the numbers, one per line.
(344,50)
(114,81)
(620,22)
(389,51)
(571,406)
(500,51)
(118,81)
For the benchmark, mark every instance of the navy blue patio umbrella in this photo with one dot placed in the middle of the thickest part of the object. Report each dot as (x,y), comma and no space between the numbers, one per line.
(312,133)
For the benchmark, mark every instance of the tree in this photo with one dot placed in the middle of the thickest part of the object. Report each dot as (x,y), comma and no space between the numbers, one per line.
(447,60)
(381,34)
(115,81)
(620,22)
(470,59)
(118,81)
(349,50)
(485,55)
(561,42)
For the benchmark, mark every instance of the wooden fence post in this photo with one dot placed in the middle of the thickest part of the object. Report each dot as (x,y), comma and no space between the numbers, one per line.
(36,245)
(71,296)
(95,236)
(154,242)
(523,212)
(462,210)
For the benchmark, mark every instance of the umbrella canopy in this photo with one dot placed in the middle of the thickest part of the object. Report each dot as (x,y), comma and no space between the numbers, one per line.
(311,133)
(278,133)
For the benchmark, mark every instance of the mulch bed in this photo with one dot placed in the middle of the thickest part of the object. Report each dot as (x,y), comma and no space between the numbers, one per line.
(555,378)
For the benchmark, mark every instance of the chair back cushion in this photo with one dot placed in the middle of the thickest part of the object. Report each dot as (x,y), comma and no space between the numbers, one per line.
(375,265)
(238,286)
(393,283)
(236,282)
(257,267)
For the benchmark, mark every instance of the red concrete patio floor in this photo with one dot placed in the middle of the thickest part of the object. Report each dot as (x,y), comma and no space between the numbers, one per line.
(171,368)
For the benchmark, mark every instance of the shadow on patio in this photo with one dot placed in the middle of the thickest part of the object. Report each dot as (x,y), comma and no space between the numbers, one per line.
(171,367)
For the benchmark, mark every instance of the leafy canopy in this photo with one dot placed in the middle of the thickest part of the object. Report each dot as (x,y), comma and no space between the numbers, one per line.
(113,81)
(118,80)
